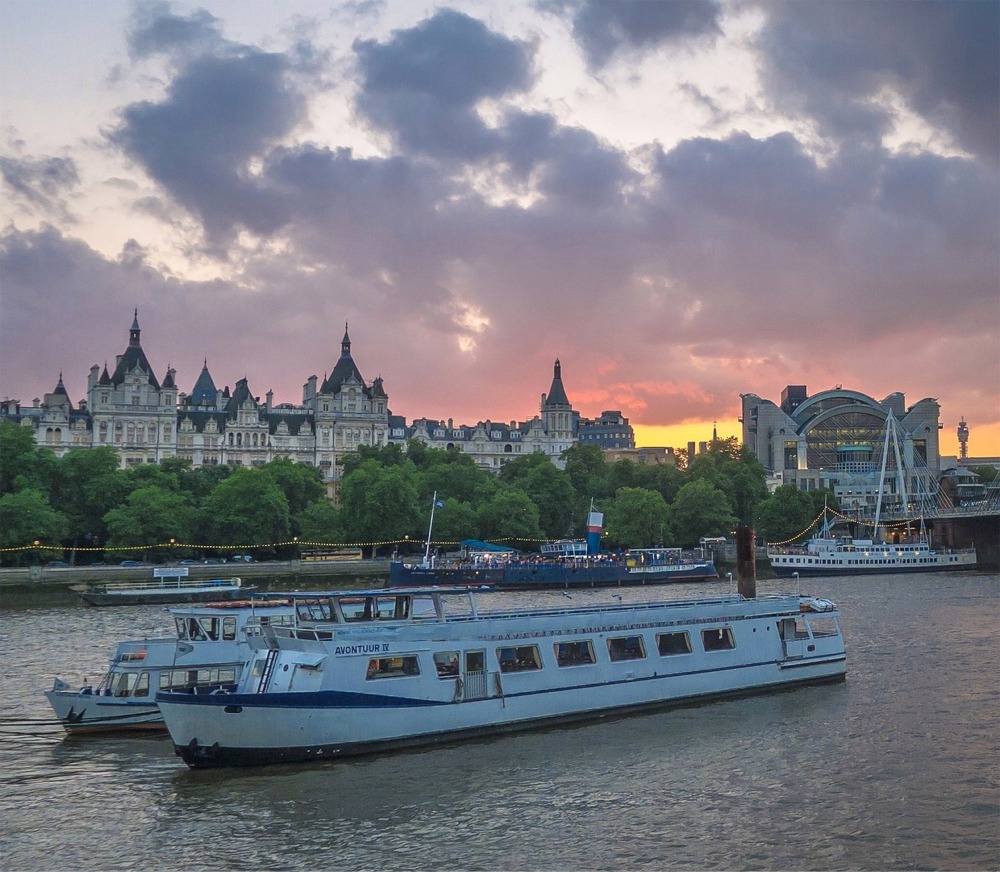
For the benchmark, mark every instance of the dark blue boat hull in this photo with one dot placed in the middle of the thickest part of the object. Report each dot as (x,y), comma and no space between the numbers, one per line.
(527,576)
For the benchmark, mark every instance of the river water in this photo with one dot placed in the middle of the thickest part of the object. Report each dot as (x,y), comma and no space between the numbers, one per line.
(897,768)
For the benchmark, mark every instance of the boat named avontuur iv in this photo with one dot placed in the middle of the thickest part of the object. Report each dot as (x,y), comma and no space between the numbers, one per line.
(363,671)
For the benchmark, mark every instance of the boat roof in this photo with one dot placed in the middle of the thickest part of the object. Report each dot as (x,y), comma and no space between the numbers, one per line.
(383,591)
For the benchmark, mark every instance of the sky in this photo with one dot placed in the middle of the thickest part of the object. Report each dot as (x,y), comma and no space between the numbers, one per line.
(681,201)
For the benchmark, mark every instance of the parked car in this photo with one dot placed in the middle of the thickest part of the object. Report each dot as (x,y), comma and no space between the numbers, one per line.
(56,564)
(132,563)
(242,558)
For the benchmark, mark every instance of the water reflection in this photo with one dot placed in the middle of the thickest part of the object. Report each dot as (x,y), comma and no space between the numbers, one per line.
(896,768)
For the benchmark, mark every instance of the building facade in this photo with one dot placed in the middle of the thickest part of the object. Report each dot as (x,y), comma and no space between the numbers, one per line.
(147,420)
(836,439)
(610,431)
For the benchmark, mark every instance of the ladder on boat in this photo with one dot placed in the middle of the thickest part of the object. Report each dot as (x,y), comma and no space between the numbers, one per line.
(265,675)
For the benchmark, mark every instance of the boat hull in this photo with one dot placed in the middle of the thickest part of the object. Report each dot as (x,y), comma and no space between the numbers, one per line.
(540,576)
(89,713)
(492,720)
(805,566)
(163,597)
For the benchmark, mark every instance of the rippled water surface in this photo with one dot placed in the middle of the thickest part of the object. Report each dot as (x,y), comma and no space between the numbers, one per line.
(898,768)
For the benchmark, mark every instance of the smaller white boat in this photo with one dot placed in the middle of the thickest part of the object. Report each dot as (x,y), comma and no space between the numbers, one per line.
(206,654)
(169,585)
(825,554)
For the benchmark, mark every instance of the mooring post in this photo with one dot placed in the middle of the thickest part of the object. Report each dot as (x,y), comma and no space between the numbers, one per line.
(746,561)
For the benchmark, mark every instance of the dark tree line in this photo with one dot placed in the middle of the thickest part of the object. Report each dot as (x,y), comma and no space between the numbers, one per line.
(84,505)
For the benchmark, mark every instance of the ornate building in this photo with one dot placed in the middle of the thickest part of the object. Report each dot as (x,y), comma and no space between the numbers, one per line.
(147,420)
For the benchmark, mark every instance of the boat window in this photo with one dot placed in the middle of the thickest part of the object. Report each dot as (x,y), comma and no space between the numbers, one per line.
(123,683)
(673,643)
(718,639)
(574,653)
(229,628)
(392,608)
(626,648)
(184,679)
(312,610)
(182,630)
(520,659)
(356,608)
(423,607)
(142,688)
(393,667)
(211,626)
(195,632)
(446,663)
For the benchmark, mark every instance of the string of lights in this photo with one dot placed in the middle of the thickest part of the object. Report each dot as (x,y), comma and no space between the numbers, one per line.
(861,522)
(40,547)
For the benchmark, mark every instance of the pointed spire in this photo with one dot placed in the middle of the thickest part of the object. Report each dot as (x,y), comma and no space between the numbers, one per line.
(345,343)
(557,393)
(133,333)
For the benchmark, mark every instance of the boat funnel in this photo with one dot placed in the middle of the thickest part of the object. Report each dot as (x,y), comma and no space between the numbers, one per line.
(595,522)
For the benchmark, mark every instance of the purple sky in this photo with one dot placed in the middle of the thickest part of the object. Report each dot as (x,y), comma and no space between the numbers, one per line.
(681,200)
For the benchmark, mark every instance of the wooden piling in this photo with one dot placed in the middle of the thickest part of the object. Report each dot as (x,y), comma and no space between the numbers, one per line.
(746,561)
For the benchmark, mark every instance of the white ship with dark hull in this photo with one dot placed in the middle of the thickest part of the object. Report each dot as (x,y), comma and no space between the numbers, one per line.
(366,671)
(208,652)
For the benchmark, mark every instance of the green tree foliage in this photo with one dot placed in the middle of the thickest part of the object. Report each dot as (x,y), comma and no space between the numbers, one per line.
(987,474)
(638,518)
(454,476)
(320,522)
(26,517)
(455,522)
(588,473)
(88,485)
(378,504)
(152,515)
(734,470)
(549,488)
(302,485)
(246,509)
(510,516)
(701,509)
(22,463)
(786,514)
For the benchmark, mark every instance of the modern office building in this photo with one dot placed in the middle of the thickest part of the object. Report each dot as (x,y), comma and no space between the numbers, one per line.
(836,439)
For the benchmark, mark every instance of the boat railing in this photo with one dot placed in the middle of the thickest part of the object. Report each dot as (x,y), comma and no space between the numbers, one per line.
(167,583)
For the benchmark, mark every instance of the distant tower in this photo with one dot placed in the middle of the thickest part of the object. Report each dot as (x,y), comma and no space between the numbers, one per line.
(963,440)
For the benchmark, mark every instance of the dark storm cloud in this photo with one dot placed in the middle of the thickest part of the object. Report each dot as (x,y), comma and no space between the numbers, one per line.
(570,164)
(221,110)
(41,182)
(606,28)
(156,29)
(831,60)
(424,84)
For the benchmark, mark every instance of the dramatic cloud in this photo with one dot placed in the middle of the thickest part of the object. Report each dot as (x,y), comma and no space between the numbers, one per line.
(42,183)
(605,29)
(829,217)
(836,61)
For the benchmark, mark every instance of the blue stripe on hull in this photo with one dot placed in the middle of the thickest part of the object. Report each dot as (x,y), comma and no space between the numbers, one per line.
(213,756)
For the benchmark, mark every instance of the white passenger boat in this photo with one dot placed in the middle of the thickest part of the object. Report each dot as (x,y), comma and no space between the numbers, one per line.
(169,585)
(828,555)
(822,556)
(363,671)
(207,652)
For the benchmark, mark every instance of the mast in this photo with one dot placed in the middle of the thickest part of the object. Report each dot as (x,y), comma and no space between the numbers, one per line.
(890,433)
(430,528)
